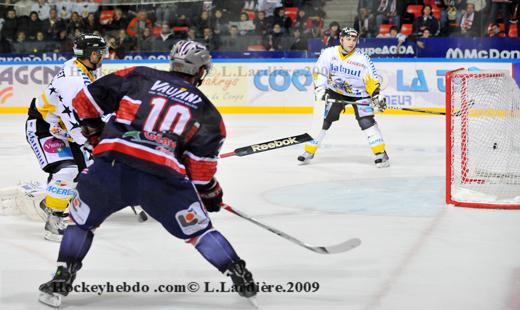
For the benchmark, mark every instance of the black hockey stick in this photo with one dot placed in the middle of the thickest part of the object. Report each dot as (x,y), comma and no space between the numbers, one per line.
(332,249)
(457,113)
(269,145)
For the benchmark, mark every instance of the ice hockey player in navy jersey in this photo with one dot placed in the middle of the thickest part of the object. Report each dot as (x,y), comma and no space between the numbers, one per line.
(158,151)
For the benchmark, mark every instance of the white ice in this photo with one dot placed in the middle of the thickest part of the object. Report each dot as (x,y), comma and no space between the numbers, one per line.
(417,253)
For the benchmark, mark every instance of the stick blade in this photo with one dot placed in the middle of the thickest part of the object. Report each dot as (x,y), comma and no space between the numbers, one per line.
(338,248)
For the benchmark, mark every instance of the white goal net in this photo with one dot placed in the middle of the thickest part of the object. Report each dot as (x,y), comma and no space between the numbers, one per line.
(482,139)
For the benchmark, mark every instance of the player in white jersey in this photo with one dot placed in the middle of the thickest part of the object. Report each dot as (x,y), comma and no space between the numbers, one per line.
(54,134)
(346,74)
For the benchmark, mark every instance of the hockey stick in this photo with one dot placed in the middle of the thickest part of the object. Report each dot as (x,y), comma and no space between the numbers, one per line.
(333,249)
(456,114)
(269,145)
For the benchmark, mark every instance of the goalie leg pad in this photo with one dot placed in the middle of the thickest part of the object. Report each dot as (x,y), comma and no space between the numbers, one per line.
(60,188)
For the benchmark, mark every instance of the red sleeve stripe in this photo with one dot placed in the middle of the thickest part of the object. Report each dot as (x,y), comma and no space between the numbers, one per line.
(85,105)
(124,72)
(139,151)
(127,109)
(200,169)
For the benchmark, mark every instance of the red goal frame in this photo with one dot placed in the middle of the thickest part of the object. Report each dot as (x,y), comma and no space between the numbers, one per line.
(462,116)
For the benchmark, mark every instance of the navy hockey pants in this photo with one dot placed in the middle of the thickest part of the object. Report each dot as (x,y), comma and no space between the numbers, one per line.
(107,187)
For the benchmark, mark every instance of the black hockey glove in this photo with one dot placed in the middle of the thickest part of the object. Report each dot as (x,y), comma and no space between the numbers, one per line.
(91,129)
(211,195)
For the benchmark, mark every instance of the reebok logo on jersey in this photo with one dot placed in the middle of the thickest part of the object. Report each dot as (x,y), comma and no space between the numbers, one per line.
(274,144)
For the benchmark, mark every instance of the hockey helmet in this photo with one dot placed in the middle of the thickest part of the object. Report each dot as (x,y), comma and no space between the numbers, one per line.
(85,44)
(188,57)
(348,32)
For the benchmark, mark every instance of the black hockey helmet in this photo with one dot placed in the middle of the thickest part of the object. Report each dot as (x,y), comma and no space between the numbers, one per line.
(85,44)
(348,32)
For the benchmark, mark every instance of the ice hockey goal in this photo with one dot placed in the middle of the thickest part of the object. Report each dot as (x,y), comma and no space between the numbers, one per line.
(482,139)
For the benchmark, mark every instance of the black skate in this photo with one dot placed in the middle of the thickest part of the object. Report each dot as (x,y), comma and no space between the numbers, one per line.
(242,279)
(52,292)
(382,160)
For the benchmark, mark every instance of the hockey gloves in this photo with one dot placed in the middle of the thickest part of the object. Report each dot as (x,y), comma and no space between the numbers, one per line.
(91,129)
(211,195)
(379,103)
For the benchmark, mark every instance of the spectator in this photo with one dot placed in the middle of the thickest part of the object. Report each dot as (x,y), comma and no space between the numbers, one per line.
(92,24)
(145,42)
(218,23)
(298,43)
(281,19)
(426,20)
(391,34)
(42,8)
(262,25)
(165,40)
(495,31)
(85,7)
(164,13)
(209,40)
(250,5)
(33,26)
(10,26)
(268,6)
(202,22)
(275,40)
(5,46)
(182,21)
(18,46)
(39,45)
(230,8)
(23,7)
(387,12)
(233,42)
(65,44)
(126,42)
(364,23)
(192,34)
(245,26)
(118,21)
(114,50)
(470,24)
(138,24)
(301,19)
(53,25)
(504,7)
(332,35)
(75,23)
(64,9)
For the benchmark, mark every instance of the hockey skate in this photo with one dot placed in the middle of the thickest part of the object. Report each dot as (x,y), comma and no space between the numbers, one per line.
(310,150)
(52,292)
(55,226)
(382,160)
(242,279)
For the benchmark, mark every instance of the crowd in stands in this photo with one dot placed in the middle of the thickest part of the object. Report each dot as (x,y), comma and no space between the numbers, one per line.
(28,26)
(438,18)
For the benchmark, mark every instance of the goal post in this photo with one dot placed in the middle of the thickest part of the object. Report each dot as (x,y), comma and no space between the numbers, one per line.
(482,139)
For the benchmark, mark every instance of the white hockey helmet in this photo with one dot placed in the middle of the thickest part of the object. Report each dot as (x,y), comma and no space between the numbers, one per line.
(188,57)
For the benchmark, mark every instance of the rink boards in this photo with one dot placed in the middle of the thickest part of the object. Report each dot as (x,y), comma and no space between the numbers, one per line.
(248,86)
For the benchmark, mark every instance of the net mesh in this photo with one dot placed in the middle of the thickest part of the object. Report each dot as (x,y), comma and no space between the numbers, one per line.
(485,138)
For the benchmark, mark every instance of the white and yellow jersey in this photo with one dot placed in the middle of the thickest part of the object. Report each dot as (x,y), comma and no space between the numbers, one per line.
(55,103)
(352,75)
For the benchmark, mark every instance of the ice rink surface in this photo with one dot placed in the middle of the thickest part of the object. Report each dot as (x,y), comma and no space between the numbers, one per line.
(416,253)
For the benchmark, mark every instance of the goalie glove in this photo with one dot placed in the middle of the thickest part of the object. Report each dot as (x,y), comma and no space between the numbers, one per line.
(319,93)
(379,103)
(211,195)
